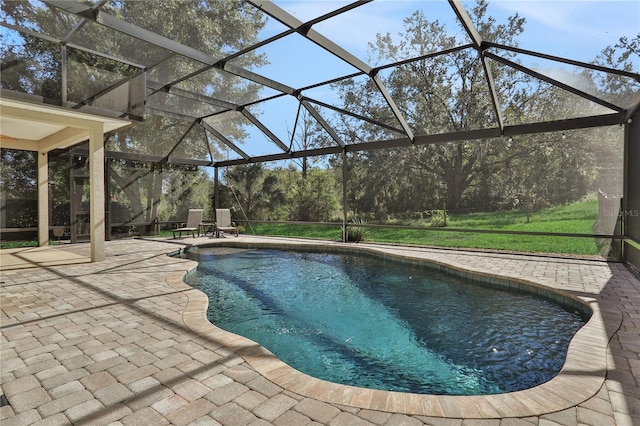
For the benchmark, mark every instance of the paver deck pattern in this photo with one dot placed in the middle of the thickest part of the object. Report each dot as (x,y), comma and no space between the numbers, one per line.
(126,342)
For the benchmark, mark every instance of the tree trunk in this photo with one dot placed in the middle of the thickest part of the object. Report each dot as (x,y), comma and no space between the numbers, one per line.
(456,185)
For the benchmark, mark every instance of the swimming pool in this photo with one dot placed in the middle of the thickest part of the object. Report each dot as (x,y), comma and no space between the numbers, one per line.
(371,323)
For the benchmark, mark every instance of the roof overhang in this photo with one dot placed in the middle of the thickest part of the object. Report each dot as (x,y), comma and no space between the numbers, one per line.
(37,127)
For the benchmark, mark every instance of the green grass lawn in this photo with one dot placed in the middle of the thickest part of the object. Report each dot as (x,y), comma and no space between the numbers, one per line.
(576,218)
(518,243)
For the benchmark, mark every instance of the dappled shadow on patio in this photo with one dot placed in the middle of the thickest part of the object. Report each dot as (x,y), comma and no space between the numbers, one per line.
(127,339)
(34,257)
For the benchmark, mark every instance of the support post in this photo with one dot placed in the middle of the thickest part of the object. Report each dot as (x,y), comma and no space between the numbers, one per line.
(157,195)
(216,182)
(344,195)
(64,75)
(108,218)
(631,199)
(43,199)
(96,186)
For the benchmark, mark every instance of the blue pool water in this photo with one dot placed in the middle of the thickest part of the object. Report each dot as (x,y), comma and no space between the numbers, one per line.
(379,324)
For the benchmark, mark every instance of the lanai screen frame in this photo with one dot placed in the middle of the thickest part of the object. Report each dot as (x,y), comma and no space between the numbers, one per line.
(623,116)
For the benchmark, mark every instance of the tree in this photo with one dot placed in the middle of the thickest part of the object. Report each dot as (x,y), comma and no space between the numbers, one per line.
(450,93)
(315,197)
(532,181)
(34,65)
(29,64)
(312,192)
(185,188)
(625,56)
(18,188)
(445,93)
(256,190)
(59,188)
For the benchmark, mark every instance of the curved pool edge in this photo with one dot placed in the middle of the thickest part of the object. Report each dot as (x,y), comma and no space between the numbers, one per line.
(581,377)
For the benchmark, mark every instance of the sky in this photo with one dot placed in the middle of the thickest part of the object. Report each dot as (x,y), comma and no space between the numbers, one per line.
(575,29)
(563,27)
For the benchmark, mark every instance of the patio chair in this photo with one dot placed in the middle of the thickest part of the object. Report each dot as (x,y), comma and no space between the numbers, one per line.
(223,222)
(193,223)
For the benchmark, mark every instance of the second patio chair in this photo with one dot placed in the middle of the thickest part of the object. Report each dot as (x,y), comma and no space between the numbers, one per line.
(223,222)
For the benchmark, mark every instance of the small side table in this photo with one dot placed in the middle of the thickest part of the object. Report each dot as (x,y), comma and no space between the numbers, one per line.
(207,227)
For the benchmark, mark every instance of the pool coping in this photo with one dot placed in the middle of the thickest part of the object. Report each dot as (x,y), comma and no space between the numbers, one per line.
(581,377)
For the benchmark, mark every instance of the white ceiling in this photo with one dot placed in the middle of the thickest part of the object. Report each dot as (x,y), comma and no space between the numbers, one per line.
(37,127)
(15,128)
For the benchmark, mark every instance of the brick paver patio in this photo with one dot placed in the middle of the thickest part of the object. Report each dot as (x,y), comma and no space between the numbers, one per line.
(124,341)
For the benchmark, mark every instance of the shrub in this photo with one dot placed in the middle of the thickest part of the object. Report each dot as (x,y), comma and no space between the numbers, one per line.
(438,218)
(356,233)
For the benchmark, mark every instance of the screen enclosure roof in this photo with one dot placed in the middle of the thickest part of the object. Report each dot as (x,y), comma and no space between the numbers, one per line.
(229,82)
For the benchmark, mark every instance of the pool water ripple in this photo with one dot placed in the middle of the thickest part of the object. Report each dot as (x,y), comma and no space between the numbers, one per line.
(379,324)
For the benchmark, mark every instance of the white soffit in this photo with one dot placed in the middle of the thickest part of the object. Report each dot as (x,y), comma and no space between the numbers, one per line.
(38,127)
(15,128)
